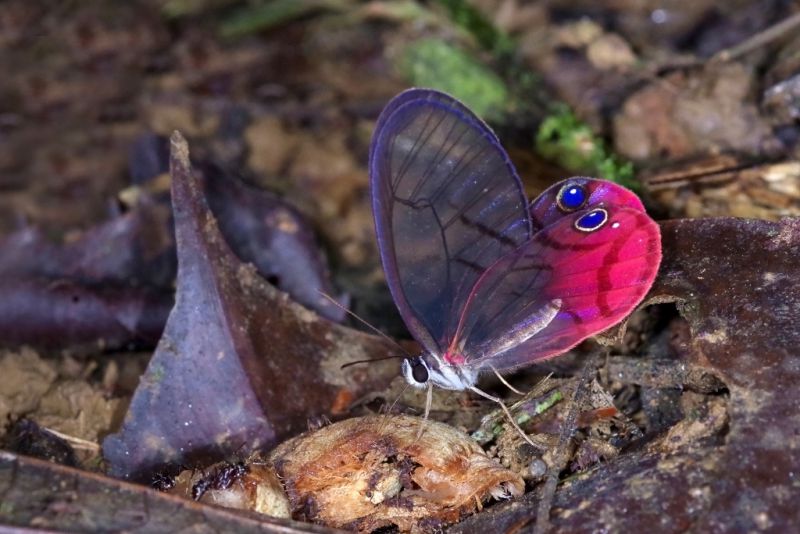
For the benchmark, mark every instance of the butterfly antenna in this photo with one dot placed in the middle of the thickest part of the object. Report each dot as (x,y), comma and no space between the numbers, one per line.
(507,412)
(388,410)
(393,356)
(397,399)
(365,323)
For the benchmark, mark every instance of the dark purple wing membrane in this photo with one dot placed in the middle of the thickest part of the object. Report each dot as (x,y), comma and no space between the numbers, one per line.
(447,204)
(559,288)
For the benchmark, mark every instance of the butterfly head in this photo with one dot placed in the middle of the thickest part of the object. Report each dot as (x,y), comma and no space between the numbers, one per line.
(428,368)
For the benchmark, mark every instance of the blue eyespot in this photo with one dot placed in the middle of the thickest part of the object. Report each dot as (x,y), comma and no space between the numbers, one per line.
(591,221)
(571,197)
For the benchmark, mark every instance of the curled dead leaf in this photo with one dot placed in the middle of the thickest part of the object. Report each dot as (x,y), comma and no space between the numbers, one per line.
(240,366)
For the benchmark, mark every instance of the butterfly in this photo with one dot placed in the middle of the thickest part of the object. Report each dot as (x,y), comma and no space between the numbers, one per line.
(484,280)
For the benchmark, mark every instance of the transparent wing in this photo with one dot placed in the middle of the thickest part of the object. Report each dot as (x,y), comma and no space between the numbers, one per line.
(559,288)
(447,204)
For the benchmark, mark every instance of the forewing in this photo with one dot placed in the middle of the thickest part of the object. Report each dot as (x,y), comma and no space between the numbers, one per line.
(559,288)
(447,204)
(600,193)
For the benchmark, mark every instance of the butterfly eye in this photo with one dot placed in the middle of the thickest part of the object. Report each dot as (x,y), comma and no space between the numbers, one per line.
(419,371)
(589,222)
(571,197)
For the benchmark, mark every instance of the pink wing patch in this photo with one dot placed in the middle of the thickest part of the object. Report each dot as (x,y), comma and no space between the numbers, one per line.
(545,209)
(561,287)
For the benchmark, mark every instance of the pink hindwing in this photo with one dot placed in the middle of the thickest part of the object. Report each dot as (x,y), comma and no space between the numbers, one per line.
(481,278)
(559,288)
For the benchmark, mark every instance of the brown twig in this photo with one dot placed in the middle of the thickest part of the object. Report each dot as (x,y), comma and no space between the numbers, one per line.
(561,456)
(76,442)
(762,38)
(654,373)
(752,43)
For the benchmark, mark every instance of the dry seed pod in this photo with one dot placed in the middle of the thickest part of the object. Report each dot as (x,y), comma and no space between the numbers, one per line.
(254,487)
(376,471)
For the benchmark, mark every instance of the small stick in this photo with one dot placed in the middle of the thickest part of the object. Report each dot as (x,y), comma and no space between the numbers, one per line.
(656,373)
(534,403)
(75,442)
(561,456)
(510,417)
(754,42)
(762,38)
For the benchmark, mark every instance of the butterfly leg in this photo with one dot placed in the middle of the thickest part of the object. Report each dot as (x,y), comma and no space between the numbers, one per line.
(508,414)
(428,403)
(505,382)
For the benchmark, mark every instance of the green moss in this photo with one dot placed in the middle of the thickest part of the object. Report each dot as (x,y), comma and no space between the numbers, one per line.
(539,408)
(181,8)
(439,65)
(524,412)
(471,20)
(563,138)
(265,15)
(408,11)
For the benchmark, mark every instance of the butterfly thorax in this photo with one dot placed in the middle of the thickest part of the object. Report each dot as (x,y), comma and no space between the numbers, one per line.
(444,372)
(454,358)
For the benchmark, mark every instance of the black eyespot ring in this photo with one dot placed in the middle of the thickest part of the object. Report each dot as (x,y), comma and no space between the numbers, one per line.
(571,197)
(418,370)
(591,221)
